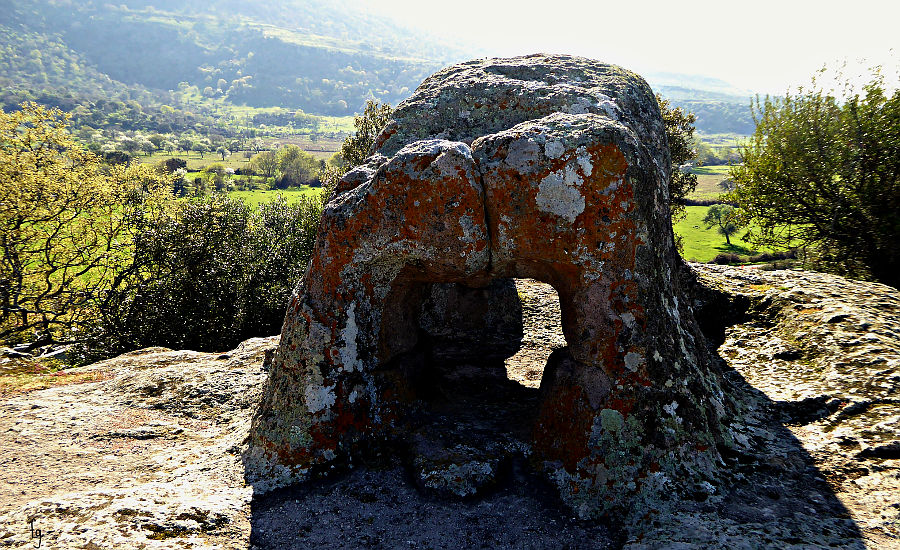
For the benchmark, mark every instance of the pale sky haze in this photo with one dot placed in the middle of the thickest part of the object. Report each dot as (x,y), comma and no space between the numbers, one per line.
(760,45)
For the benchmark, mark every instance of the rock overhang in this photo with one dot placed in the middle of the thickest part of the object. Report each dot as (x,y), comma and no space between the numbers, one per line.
(549,167)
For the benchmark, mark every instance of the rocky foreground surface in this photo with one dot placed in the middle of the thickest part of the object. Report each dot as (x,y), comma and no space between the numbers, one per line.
(150,455)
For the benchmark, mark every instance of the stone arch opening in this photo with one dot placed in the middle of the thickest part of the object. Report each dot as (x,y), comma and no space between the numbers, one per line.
(465,365)
(542,332)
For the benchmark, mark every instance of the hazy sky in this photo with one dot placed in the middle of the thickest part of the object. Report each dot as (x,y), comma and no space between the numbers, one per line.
(758,45)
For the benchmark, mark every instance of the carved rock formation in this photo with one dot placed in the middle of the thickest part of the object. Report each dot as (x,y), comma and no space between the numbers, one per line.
(548,167)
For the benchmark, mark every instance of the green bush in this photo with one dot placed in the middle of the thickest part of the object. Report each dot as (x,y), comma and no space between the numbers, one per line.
(208,275)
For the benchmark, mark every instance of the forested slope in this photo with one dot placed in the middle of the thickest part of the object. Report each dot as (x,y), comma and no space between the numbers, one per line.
(318,56)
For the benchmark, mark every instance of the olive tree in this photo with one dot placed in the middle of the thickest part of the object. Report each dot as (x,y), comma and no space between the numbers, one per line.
(725,218)
(64,225)
(265,163)
(822,170)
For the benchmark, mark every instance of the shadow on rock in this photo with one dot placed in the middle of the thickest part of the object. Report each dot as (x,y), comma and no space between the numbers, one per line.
(775,496)
(463,477)
(460,479)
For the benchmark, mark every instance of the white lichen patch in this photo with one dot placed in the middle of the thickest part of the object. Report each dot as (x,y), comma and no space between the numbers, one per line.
(348,352)
(584,161)
(318,398)
(558,194)
(633,361)
(553,149)
(670,408)
(470,232)
(610,108)
(580,106)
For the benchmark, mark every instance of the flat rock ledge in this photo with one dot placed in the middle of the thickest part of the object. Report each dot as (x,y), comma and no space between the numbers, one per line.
(149,457)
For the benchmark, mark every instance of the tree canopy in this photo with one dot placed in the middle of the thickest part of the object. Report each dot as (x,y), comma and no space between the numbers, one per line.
(355,148)
(63,224)
(104,257)
(680,135)
(823,169)
(725,218)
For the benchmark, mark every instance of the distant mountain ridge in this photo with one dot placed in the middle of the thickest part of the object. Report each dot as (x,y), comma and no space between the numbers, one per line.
(322,57)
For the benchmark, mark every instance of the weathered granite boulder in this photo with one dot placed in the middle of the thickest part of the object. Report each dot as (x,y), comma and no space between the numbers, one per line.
(549,167)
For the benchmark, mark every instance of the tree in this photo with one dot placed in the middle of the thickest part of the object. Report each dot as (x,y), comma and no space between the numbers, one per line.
(356,148)
(296,167)
(214,176)
(130,145)
(146,146)
(158,140)
(170,165)
(63,225)
(222,151)
(822,169)
(185,144)
(208,274)
(265,163)
(726,218)
(368,125)
(680,135)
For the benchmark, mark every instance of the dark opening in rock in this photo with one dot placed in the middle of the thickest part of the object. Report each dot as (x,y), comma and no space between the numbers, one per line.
(474,357)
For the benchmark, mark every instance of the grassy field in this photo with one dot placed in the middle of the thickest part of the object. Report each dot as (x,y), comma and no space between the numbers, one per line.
(254,198)
(715,170)
(708,180)
(322,148)
(196,162)
(702,244)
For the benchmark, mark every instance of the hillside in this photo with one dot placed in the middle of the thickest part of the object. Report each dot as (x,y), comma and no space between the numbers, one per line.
(316,56)
(720,107)
(321,57)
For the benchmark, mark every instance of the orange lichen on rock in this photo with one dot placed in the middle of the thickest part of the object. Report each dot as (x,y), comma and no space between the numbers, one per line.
(564,180)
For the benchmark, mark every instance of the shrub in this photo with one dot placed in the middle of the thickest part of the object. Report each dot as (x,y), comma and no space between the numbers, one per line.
(171,165)
(727,258)
(767,257)
(208,275)
(116,157)
(823,169)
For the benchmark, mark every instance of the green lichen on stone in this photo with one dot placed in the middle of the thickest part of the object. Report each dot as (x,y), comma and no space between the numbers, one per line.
(611,420)
(299,435)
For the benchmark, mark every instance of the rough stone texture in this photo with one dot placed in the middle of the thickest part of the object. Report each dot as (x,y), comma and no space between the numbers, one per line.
(549,167)
(149,457)
(482,97)
(824,352)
